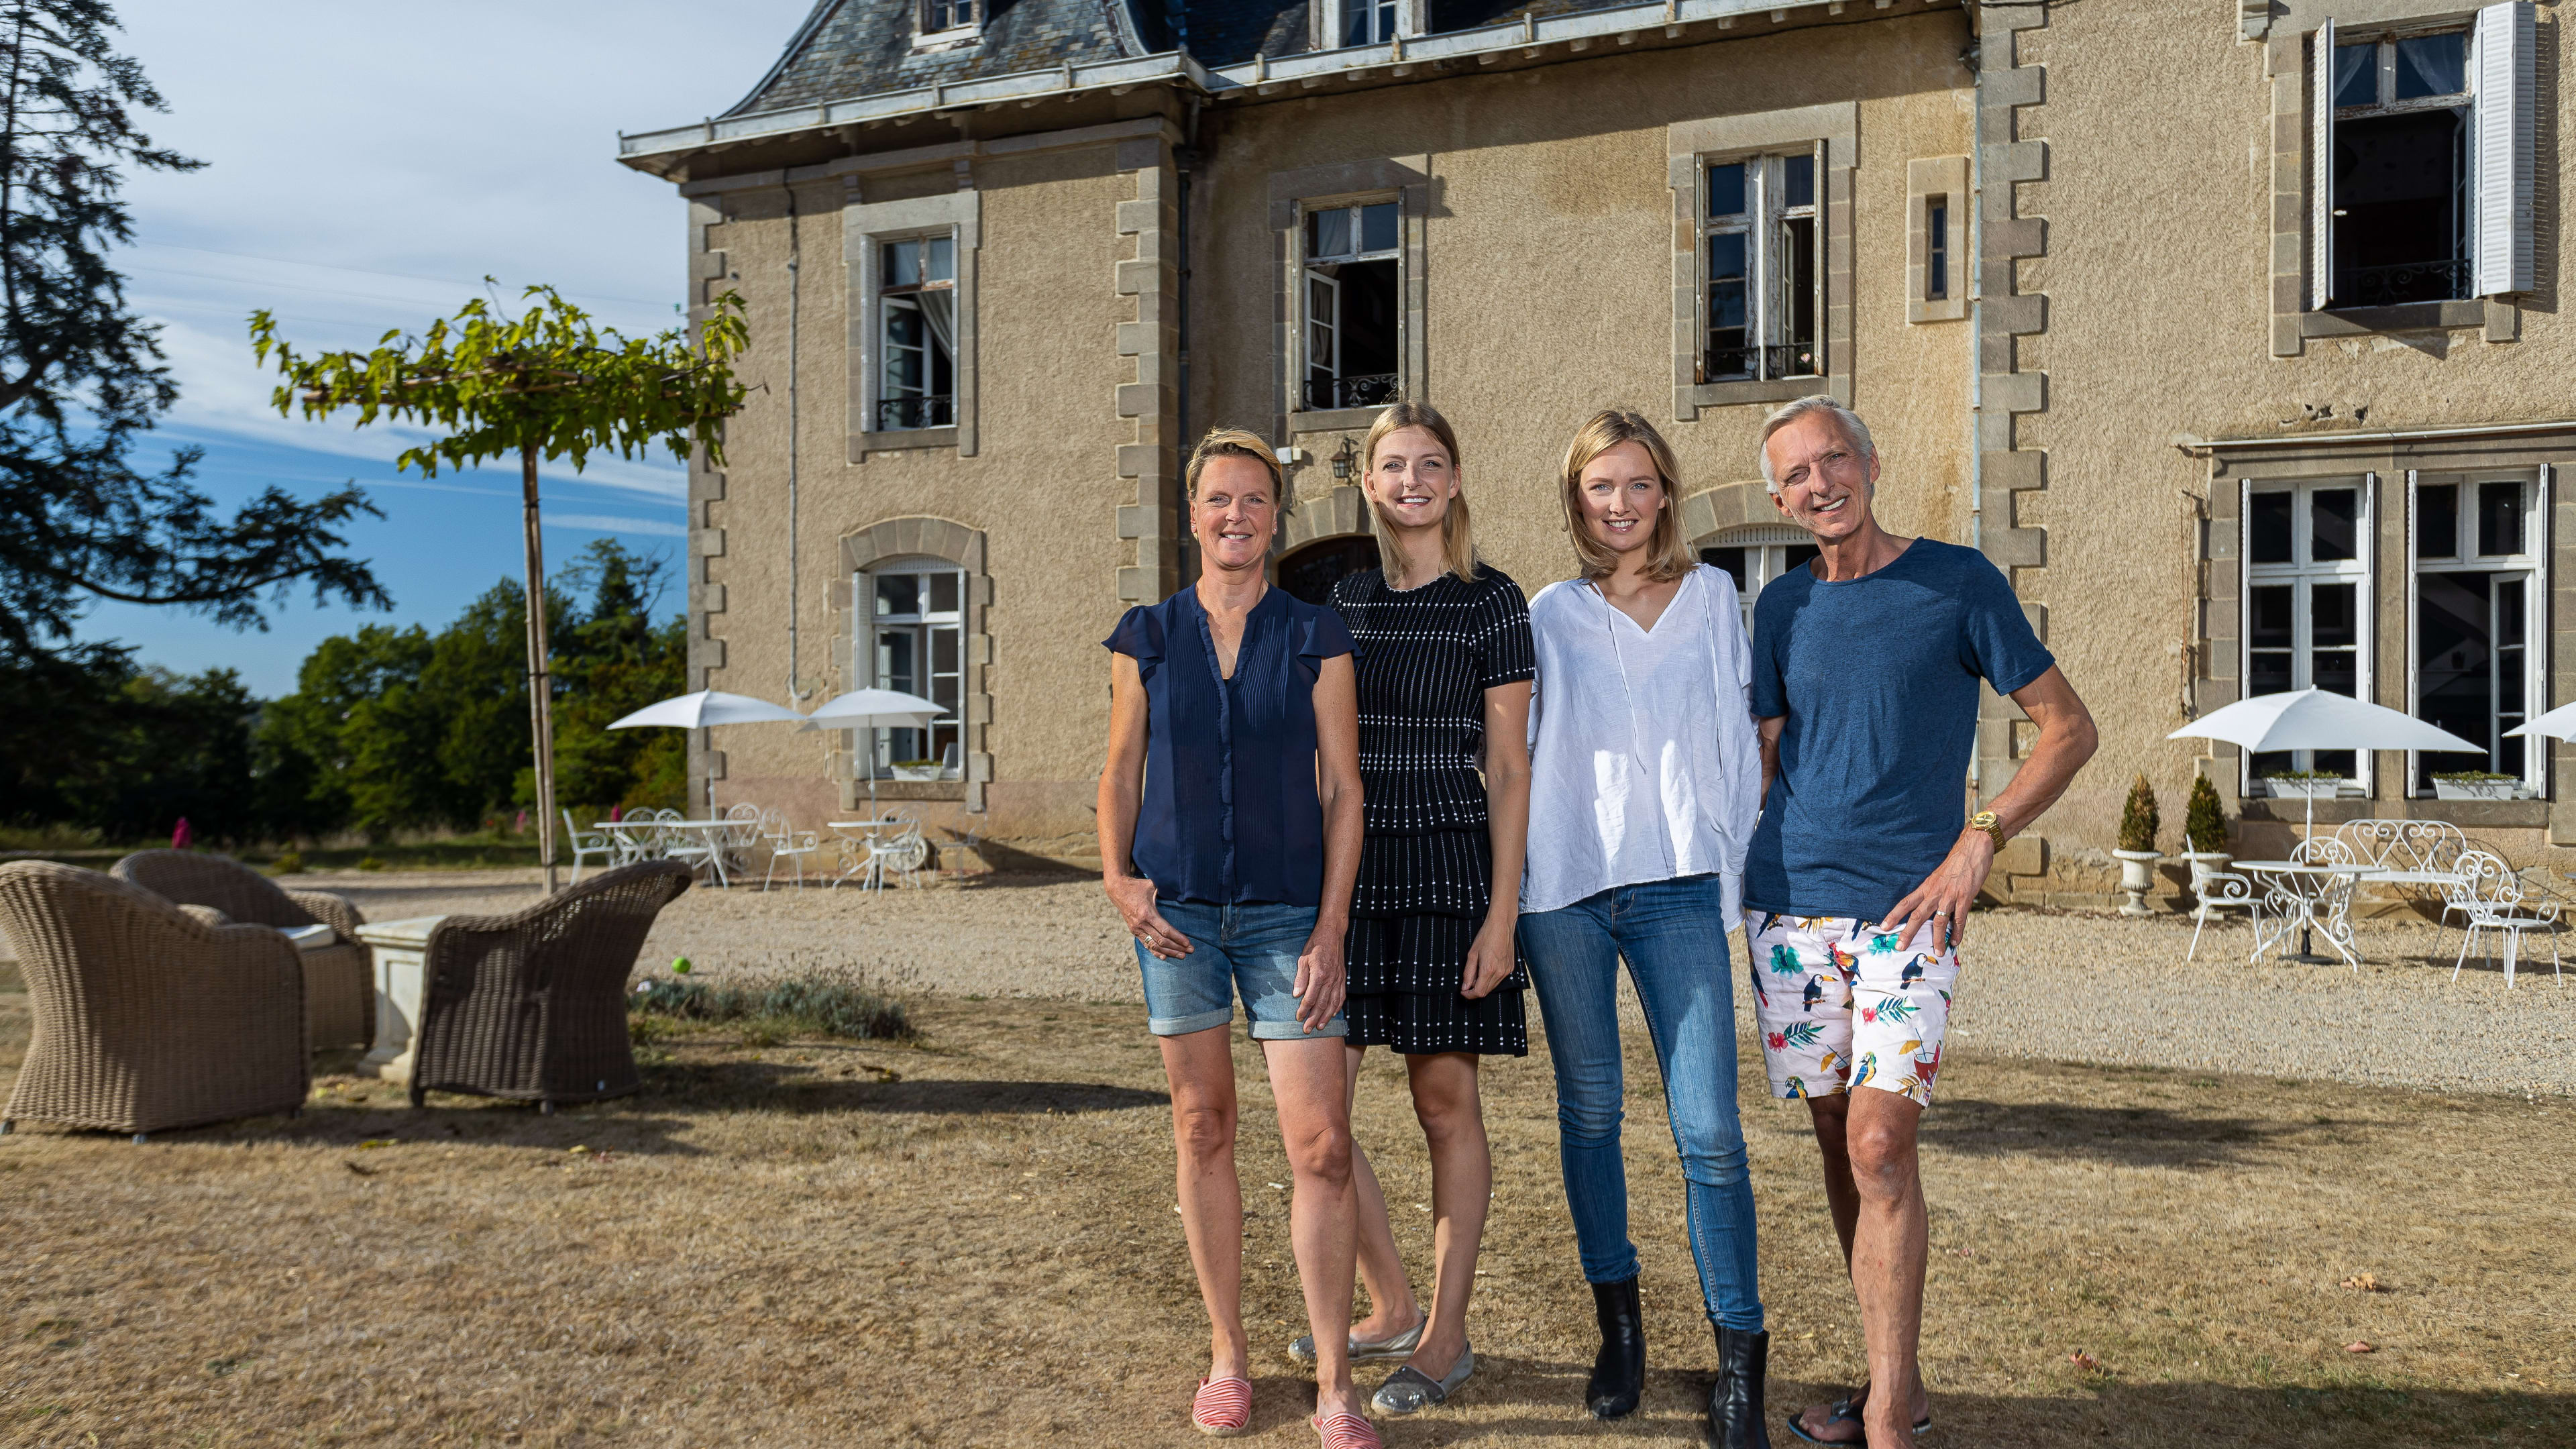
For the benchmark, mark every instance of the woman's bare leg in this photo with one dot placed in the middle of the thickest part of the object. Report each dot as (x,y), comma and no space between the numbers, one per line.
(1462,1185)
(1200,1067)
(1391,1306)
(1310,1082)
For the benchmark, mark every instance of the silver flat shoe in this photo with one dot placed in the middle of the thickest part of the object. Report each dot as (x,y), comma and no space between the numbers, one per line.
(1410,1391)
(1369,1350)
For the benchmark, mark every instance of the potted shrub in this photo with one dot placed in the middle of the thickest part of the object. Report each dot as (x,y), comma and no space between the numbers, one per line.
(2477,785)
(2137,852)
(2302,785)
(2204,832)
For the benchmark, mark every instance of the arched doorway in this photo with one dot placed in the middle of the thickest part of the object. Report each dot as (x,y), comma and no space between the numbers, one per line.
(1309,572)
(1755,555)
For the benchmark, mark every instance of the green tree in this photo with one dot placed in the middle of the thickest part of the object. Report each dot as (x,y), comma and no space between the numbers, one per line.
(616,661)
(82,379)
(366,733)
(549,383)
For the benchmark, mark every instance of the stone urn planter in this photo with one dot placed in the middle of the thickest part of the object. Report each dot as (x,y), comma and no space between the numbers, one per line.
(2477,789)
(2137,877)
(2204,864)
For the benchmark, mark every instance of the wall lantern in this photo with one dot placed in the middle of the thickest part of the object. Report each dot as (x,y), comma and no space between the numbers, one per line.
(1344,459)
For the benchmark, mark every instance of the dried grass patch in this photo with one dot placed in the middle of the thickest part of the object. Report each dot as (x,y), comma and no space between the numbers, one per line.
(970,1240)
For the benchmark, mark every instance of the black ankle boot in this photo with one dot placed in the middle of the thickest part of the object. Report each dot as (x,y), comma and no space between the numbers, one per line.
(1619,1373)
(1735,1400)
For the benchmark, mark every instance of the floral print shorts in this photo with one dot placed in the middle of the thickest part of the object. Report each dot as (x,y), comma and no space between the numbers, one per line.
(1841,1006)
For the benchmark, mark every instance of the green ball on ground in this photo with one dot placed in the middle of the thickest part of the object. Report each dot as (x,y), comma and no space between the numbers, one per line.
(679,965)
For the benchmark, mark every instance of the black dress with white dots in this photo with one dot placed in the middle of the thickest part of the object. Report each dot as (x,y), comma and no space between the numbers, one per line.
(1426,657)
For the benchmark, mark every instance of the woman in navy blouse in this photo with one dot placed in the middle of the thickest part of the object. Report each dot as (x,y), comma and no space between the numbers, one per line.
(1229,840)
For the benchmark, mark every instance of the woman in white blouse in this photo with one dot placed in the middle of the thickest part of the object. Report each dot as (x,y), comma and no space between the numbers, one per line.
(1645,780)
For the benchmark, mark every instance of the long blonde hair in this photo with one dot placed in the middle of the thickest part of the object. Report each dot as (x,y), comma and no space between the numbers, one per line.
(1457,532)
(1668,554)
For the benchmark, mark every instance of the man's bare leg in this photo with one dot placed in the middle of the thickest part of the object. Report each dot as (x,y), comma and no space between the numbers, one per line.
(1858,1209)
(1392,1308)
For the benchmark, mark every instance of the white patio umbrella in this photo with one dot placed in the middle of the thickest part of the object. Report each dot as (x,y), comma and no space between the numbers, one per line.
(704,708)
(2558,724)
(874,709)
(2317,719)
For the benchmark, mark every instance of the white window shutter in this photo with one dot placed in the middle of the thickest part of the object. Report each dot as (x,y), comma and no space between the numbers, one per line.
(2503,147)
(2321,158)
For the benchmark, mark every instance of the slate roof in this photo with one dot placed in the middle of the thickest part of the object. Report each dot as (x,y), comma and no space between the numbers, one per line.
(849,48)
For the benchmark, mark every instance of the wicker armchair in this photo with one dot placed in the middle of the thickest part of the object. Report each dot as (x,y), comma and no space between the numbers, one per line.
(147,1016)
(338,992)
(533,1005)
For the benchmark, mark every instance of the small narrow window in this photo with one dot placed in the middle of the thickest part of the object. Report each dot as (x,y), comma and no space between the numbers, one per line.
(917,320)
(917,633)
(1936,258)
(945,15)
(1353,331)
(2476,584)
(1762,237)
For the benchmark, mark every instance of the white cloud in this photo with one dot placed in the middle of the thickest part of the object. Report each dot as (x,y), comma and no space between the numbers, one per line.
(602,523)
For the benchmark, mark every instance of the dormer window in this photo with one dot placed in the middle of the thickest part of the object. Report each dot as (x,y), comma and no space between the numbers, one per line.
(1368,22)
(950,19)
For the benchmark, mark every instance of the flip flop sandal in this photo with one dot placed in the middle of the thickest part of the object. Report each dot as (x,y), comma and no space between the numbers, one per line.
(1369,1350)
(1409,1390)
(1842,1412)
(1346,1430)
(1222,1407)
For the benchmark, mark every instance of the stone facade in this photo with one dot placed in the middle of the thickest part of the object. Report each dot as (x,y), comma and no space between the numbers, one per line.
(2124,355)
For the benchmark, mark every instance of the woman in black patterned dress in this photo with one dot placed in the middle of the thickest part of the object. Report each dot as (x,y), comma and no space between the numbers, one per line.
(1445,662)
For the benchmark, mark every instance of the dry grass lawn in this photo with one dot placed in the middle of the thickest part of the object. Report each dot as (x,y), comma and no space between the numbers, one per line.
(972,1241)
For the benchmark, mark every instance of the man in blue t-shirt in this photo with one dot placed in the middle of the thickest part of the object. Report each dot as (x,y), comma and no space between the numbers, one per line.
(1857,886)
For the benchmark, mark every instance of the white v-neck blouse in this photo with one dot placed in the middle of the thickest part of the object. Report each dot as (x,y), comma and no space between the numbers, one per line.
(1643,761)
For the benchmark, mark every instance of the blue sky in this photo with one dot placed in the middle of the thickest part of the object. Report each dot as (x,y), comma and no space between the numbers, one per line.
(367,166)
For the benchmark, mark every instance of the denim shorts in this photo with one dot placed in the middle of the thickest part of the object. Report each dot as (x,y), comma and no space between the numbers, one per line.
(1251,948)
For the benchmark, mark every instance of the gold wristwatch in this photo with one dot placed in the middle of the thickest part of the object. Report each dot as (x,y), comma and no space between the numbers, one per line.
(1989,822)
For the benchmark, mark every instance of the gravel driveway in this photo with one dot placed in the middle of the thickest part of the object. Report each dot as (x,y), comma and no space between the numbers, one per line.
(2061,986)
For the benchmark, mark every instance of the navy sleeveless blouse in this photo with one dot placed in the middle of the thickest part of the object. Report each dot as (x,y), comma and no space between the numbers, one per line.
(1229,814)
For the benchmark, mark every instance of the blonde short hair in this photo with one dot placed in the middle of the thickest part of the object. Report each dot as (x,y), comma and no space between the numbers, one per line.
(1668,554)
(1236,443)
(1457,533)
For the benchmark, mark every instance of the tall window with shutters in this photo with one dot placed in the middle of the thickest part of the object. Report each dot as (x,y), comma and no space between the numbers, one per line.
(2421,160)
(2307,606)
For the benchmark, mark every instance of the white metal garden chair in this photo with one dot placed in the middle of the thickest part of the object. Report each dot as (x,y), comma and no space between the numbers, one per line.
(788,845)
(589,845)
(2219,890)
(897,848)
(2493,898)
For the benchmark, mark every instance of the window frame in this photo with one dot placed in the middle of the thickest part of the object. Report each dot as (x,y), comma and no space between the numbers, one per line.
(923,623)
(2302,573)
(883,323)
(866,229)
(925,12)
(2532,562)
(1302,363)
(1764,223)
(1766,547)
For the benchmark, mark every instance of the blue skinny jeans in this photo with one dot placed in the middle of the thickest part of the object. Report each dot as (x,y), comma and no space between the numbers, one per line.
(1673,934)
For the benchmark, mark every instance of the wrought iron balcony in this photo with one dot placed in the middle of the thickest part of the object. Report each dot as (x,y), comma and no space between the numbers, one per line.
(2440,281)
(1361,390)
(896,414)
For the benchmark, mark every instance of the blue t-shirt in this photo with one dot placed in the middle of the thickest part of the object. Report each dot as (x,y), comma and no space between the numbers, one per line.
(1229,813)
(1878,677)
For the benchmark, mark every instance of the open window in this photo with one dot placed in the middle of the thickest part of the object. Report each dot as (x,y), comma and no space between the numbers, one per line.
(1763,240)
(917,330)
(2307,607)
(1352,294)
(2478,590)
(1366,22)
(2423,152)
